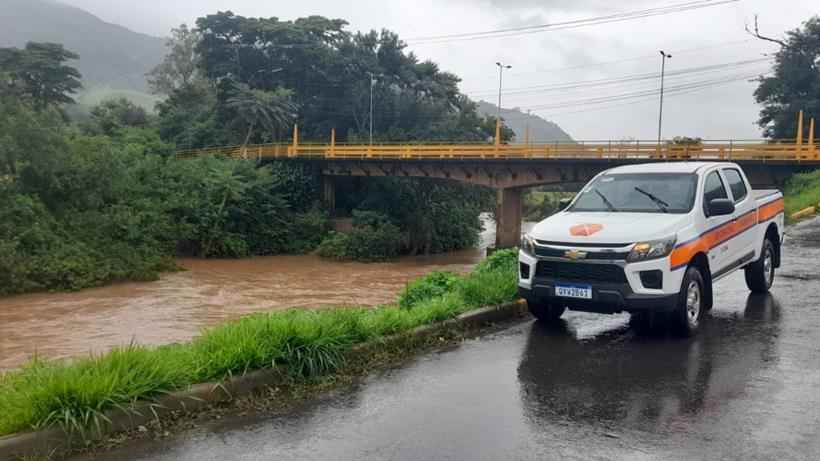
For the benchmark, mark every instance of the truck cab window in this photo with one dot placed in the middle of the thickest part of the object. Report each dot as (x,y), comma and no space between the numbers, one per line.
(712,189)
(736,184)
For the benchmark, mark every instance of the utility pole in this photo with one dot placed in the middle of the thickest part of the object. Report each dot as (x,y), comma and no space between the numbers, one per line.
(501,68)
(664,57)
(527,135)
(372,83)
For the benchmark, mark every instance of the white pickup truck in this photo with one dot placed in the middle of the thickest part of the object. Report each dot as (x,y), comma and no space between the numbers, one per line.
(651,240)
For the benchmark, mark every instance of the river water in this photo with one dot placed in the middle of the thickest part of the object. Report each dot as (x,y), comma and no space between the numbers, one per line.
(179,305)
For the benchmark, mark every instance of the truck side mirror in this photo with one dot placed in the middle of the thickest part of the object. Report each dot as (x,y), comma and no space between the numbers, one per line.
(721,207)
(564,203)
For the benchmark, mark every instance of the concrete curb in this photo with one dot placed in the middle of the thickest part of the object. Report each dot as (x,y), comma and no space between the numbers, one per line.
(51,441)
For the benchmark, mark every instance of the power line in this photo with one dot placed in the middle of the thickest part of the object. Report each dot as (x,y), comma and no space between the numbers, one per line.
(618,61)
(643,93)
(598,20)
(624,79)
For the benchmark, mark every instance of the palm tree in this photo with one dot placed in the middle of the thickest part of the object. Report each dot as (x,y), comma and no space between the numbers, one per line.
(270,110)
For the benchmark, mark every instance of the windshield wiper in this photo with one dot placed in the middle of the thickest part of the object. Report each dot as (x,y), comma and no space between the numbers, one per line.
(605,200)
(663,206)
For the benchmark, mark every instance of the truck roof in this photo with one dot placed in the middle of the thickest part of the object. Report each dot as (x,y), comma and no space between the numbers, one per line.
(664,167)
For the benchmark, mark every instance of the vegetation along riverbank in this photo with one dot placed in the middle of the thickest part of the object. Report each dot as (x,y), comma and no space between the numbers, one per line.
(303,344)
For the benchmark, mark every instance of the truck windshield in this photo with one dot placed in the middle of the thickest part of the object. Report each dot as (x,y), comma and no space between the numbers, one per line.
(639,193)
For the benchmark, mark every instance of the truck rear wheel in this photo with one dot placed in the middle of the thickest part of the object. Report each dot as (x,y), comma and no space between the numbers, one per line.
(545,312)
(691,303)
(760,274)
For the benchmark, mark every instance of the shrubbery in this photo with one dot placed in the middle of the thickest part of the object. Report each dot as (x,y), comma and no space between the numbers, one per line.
(81,210)
(802,191)
(373,238)
(430,286)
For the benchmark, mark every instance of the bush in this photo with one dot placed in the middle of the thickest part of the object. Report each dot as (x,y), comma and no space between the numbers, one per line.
(802,191)
(373,238)
(430,286)
(501,260)
(489,288)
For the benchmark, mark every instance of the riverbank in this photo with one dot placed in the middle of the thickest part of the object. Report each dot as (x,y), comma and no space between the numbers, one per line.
(210,292)
(302,345)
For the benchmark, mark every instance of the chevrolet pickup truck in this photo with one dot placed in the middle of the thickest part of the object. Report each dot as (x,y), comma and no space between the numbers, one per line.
(652,240)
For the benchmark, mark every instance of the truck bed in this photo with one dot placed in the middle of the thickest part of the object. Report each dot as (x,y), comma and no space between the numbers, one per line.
(762,194)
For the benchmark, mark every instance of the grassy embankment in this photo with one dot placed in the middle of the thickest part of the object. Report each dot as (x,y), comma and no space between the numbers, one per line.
(304,344)
(802,191)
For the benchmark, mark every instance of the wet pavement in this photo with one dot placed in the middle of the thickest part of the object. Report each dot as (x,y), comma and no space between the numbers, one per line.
(747,387)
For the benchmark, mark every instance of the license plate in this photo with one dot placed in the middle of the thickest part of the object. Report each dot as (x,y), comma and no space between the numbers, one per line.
(574,291)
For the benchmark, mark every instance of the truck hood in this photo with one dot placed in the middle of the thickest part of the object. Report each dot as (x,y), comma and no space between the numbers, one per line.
(608,228)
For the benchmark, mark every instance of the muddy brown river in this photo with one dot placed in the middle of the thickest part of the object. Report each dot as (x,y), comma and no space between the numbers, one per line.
(179,305)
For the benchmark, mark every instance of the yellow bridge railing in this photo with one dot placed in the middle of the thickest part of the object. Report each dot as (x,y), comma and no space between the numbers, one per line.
(794,151)
(610,150)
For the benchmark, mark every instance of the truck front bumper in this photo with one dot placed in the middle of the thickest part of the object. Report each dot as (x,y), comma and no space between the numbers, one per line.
(606,298)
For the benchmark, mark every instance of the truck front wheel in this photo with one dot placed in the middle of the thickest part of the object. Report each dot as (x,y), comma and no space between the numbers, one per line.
(544,312)
(689,310)
(760,274)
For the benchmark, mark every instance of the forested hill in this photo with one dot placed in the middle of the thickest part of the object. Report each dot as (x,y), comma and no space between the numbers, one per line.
(110,55)
(540,130)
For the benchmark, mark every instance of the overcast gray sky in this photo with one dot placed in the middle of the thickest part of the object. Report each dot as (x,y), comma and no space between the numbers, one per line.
(715,103)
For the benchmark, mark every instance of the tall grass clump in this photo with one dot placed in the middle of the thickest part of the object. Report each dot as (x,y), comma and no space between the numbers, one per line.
(75,395)
(802,191)
(430,286)
(303,344)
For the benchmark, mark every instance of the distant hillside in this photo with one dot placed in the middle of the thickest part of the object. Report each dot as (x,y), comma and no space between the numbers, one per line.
(540,130)
(111,56)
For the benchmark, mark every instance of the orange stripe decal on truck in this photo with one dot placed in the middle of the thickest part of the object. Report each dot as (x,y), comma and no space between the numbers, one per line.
(684,252)
(770,210)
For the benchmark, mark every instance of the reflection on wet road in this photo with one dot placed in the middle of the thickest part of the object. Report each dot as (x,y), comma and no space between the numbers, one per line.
(748,387)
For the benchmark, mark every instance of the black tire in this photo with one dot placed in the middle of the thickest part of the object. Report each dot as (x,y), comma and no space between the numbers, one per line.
(691,304)
(546,313)
(760,274)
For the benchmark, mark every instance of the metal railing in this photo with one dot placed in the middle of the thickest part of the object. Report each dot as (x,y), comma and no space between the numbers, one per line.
(707,150)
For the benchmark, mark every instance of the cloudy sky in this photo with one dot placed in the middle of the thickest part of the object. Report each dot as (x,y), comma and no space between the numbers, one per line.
(597,81)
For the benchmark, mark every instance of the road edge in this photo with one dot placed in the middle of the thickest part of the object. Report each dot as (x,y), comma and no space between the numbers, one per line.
(52,442)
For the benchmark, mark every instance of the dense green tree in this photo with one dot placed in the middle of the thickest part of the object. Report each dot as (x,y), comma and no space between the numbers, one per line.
(268,110)
(330,72)
(38,73)
(28,137)
(114,114)
(179,69)
(794,85)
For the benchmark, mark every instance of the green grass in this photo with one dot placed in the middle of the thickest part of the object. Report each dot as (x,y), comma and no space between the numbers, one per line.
(802,191)
(304,344)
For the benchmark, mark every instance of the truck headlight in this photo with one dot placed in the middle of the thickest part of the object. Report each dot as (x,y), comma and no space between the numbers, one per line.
(655,249)
(528,244)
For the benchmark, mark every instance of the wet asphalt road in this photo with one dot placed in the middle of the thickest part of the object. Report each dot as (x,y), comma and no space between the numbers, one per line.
(747,387)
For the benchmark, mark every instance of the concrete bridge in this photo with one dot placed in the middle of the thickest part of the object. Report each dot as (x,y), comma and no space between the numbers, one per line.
(511,168)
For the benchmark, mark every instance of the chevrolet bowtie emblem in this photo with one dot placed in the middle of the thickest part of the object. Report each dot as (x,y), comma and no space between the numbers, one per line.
(575,255)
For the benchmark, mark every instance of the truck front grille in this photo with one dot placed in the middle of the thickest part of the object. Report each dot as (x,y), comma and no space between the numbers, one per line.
(593,255)
(581,272)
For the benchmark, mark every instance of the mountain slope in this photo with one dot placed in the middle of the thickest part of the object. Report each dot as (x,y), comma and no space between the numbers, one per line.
(110,55)
(540,130)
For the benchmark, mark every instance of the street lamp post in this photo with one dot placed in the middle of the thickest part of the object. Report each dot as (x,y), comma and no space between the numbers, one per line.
(664,57)
(501,68)
(372,83)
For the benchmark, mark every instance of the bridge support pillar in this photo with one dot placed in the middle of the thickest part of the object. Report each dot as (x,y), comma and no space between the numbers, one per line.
(508,218)
(329,194)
